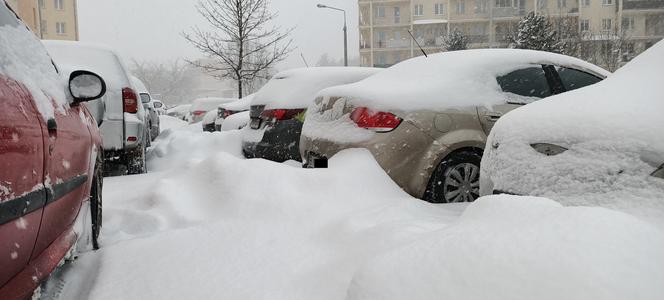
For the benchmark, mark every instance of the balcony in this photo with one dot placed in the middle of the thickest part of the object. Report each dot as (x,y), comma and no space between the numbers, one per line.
(643,4)
(506,12)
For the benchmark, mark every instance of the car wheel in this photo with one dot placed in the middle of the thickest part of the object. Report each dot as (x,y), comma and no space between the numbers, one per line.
(136,161)
(96,206)
(456,179)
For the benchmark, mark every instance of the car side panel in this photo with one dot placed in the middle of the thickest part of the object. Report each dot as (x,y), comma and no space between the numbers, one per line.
(67,174)
(21,178)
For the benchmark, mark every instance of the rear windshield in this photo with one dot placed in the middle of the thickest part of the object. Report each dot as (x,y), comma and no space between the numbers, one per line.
(105,63)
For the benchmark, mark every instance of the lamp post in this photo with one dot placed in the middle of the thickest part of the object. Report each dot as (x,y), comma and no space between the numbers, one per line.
(345,31)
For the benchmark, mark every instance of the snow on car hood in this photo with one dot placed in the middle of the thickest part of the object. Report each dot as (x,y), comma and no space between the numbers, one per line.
(208,104)
(22,58)
(238,105)
(297,88)
(626,108)
(449,79)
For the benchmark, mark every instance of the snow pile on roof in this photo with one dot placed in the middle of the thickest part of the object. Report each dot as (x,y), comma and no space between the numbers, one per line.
(24,59)
(506,247)
(103,61)
(297,88)
(613,131)
(239,105)
(235,121)
(449,79)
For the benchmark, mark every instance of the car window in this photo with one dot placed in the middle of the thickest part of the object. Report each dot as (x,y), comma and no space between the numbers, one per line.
(574,79)
(145,98)
(7,17)
(528,82)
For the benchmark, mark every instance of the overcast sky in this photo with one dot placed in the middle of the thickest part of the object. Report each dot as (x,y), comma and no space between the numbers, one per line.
(151,29)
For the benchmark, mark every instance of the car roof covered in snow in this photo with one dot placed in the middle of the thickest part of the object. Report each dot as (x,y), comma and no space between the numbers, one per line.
(297,88)
(139,85)
(209,103)
(627,107)
(449,79)
(239,104)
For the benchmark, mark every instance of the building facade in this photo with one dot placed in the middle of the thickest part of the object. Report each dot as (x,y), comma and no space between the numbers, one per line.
(49,19)
(386,25)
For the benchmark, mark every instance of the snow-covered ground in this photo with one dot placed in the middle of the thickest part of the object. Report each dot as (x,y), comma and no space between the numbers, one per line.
(208,224)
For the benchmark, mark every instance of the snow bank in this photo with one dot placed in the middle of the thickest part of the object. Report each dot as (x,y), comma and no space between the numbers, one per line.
(506,247)
(24,59)
(297,88)
(447,80)
(235,121)
(168,122)
(613,132)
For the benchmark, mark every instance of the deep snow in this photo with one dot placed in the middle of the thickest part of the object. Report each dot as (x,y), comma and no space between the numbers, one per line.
(207,223)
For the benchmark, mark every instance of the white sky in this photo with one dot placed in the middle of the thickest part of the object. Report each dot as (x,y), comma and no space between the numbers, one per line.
(151,29)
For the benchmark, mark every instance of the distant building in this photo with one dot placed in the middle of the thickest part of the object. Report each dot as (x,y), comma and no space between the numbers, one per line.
(49,19)
(384,24)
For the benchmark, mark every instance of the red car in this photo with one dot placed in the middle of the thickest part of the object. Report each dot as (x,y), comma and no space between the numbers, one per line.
(50,161)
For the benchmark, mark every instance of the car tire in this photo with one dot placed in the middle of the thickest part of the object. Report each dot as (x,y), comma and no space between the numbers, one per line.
(96,207)
(136,161)
(456,179)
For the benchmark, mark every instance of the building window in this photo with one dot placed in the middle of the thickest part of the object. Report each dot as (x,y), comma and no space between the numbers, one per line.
(562,3)
(59,5)
(43,26)
(585,3)
(606,24)
(481,6)
(584,25)
(503,3)
(41,4)
(542,4)
(60,28)
(461,7)
(607,2)
(418,10)
(397,15)
(439,8)
(628,23)
(380,11)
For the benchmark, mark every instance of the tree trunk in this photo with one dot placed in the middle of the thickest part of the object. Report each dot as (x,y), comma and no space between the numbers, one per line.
(239,88)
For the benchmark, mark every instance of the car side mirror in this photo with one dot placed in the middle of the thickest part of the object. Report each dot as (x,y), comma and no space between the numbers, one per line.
(86,86)
(158,105)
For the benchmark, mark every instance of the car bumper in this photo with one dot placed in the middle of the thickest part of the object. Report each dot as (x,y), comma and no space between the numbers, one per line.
(402,153)
(280,142)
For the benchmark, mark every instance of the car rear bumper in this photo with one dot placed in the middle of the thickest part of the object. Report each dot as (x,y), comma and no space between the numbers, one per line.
(280,142)
(402,153)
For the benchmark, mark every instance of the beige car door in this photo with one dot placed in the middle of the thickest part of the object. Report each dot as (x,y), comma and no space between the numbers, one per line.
(523,86)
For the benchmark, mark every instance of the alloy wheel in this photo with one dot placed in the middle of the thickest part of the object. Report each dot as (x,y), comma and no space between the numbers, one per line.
(462,183)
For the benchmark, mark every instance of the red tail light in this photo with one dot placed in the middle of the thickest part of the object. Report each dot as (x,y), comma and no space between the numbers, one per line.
(228,113)
(281,114)
(199,112)
(375,120)
(130,100)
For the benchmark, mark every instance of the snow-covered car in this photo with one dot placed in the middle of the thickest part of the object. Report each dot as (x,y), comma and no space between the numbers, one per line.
(202,106)
(209,121)
(150,110)
(124,126)
(179,111)
(278,109)
(51,161)
(425,120)
(228,109)
(602,144)
(235,121)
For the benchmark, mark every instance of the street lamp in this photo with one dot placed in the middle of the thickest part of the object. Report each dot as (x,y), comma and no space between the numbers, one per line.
(345,31)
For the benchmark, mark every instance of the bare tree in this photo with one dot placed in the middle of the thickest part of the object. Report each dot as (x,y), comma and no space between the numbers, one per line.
(171,82)
(242,43)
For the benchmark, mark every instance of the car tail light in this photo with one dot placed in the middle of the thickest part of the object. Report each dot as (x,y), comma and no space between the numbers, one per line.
(375,120)
(199,113)
(281,114)
(130,100)
(228,113)
(132,139)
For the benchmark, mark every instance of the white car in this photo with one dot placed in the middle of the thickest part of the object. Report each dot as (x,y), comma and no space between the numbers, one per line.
(151,114)
(228,109)
(123,125)
(179,111)
(600,145)
(159,106)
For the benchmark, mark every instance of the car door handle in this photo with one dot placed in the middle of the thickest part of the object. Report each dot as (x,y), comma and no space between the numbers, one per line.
(51,125)
(493,117)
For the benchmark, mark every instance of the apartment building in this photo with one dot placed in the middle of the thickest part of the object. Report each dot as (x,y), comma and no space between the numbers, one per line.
(386,25)
(49,19)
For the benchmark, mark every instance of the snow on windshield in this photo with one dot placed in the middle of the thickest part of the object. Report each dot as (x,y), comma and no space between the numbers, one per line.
(24,59)
(297,88)
(445,80)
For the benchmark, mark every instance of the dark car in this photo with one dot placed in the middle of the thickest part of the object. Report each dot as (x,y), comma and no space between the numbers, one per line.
(278,109)
(50,161)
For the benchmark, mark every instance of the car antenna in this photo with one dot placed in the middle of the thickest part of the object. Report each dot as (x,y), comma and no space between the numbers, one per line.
(304,59)
(418,44)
